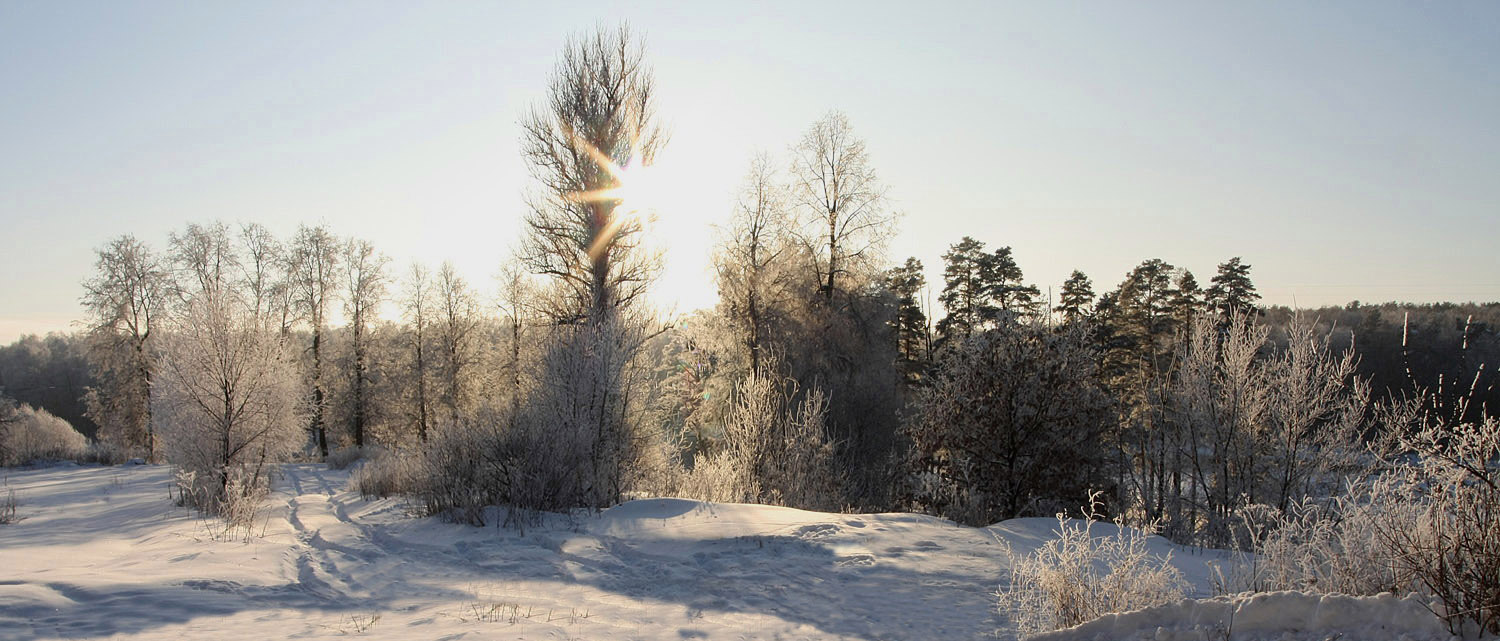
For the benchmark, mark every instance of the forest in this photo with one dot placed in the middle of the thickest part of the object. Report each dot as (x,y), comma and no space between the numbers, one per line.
(823,379)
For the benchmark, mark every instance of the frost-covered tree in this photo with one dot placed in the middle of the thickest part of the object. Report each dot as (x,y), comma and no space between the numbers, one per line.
(313,268)
(228,403)
(597,126)
(753,241)
(364,292)
(419,314)
(125,300)
(263,276)
(775,448)
(841,205)
(1011,425)
(457,329)
(597,123)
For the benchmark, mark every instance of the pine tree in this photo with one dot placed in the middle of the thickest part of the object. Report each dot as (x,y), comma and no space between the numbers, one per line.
(1232,290)
(1002,282)
(906,282)
(1187,302)
(964,294)
(1076,299)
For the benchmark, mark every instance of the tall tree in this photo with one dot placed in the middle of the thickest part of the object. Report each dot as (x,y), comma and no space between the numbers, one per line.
(458,320)
(313,269)
(418,312)
(1077,298)
(753,241)
(364,291)
(1187,300)
(1002,285)
(1231,290)
(596,127)
(912,337)
(595,131)
(844,213)
(125,300)
(229,395)
(965,296)
(262,273)
(204,259)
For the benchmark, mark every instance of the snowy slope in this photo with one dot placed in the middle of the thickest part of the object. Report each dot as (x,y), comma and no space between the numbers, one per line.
(103,553)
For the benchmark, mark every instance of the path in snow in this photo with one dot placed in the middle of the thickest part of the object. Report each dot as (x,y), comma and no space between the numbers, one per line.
(102,552)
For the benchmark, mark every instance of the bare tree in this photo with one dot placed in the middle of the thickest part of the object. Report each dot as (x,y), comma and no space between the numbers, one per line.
(203,259)
(262,274)
(597,123)
(228,402)
(458,320)
(364,291)
(516,296)
(125,299)
(596,127)
(753,241)
(418,302)
(842,205)
(313,269)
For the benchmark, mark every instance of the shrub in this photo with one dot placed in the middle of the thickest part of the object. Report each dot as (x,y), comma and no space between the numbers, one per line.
(31,434)
(1326,546)
(1012,424)
(1441,525)
(775,450)
(344,457)
(1080,576)
(8,505)
(1427,522)
(385,474)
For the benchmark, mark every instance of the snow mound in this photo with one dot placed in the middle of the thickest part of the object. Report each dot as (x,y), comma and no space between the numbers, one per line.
(1270,616)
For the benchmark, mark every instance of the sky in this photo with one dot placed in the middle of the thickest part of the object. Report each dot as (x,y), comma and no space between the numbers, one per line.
(1346,150)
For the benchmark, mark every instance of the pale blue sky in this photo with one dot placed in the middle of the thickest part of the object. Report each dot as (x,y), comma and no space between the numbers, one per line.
(1347,150)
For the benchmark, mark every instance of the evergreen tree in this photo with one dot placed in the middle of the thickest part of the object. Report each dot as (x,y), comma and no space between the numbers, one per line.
(906,282)
(1232,290)
(1076,299)
(964,296)
(1187,302)
(1141,324)
(1002,282)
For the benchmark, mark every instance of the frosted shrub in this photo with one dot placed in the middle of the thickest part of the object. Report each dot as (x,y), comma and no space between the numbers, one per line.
(1427,522)
(344,457)
(1012,422)
(385,474)
(30,434)
(1080,576)
(1441,518)
(775,449)
(1323,547)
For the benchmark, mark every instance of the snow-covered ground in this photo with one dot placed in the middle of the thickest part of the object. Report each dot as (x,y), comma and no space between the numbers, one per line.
(102,552)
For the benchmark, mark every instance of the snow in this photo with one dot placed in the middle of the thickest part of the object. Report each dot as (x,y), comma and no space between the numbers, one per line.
(103,553)
(1270,616)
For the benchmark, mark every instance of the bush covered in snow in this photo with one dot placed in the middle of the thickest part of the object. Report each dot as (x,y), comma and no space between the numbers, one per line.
(1426,522)
(1011,425)
(28,434)
(775,450)
(1082,575)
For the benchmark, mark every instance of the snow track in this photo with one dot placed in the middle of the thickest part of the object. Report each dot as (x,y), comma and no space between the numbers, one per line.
(103,553)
